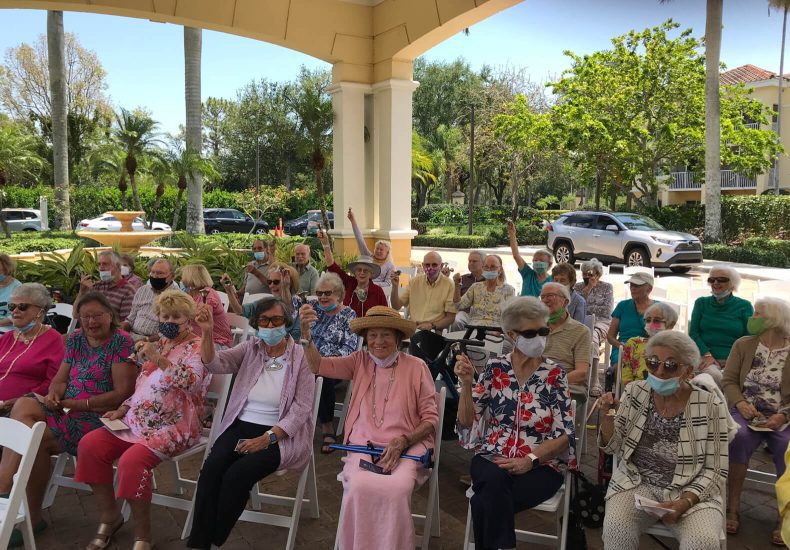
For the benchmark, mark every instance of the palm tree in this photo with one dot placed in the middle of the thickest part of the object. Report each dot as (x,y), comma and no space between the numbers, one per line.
(136,132)
(193,43)
(59,95)
(108,159)
(783,6)
(313,110)
(19,160)
(184,162)
(422,169)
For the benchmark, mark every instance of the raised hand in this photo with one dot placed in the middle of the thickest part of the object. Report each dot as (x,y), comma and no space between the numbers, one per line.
(204,318)
(323,237)
(350,216)
(86,283)
(511,229)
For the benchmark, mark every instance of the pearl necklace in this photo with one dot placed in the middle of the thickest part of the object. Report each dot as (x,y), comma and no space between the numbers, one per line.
(17,338)
(376,421)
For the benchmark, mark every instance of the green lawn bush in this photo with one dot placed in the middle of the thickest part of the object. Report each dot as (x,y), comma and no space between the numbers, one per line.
(454,241)
(746,255)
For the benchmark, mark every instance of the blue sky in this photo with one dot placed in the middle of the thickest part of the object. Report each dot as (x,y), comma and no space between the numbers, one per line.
(144,60)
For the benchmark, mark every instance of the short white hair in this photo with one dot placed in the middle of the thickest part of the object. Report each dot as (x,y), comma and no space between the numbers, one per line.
(561,288)
(35,292)
(523,308)
(478,254)
(684,350)
(335,282)
(667,312)
(115,258)
(594,265)
(545,253)
(776,313)
(732,273)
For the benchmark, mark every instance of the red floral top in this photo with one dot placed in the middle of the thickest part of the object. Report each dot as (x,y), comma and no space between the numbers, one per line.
(512,421)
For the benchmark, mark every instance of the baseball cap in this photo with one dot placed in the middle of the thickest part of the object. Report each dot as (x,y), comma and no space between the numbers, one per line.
(640,278)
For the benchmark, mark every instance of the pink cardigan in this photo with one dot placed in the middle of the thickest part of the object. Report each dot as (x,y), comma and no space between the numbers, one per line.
(358,367)
(296,402)
(35,369)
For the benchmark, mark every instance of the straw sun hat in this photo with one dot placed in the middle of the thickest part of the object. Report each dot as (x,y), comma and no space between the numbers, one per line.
(365,261)
(384,317)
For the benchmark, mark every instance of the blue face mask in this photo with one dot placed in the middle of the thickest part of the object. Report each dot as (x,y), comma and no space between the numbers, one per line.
(721,295)
(2,277)
(663,387)
(169,330)
(540,267)
(28,327)
(260,256)
(489,275)
(272,336)
(327,309)
(183,287)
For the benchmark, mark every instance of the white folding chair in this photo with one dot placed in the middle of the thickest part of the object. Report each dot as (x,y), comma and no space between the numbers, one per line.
(295,503)
(218,389)
(239,327)
(25,441)
(66,310)
(223,296)
(559,505)
(430,520)
(693,294)
(342,408)
(252,298)
(409,270)
(658,293)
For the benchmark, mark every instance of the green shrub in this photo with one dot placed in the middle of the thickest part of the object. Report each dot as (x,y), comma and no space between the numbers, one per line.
(746,255)
(454,241)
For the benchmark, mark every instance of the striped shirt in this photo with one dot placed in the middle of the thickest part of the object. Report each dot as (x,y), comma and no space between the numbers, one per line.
(569,344)
(141,316)
(119,294)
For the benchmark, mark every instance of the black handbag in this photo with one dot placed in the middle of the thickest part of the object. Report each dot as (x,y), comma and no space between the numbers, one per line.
(588,501)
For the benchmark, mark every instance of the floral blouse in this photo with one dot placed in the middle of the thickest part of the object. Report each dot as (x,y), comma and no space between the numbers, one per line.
(332,334)
(512,421)
(763,384)
(485,307)
(634,367)
(600,300)
(167,405)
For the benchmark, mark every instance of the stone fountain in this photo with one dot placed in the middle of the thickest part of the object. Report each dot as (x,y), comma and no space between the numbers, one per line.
(128,239)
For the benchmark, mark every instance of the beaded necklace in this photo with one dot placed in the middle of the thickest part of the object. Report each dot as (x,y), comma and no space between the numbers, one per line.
(16,339)
(376,421)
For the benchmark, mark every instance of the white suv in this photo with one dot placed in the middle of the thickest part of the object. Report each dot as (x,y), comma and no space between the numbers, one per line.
(22,219)
(620,237)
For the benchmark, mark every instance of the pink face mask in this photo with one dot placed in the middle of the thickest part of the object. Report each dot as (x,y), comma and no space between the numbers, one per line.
(432,272)
(655,326)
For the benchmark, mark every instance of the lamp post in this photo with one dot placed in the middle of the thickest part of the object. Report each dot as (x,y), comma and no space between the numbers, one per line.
(257,167)
(471,201)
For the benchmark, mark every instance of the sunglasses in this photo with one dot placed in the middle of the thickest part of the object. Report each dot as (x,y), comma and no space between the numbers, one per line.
(588,274)
(712,280)
(276,321)
(89,318)
(326,293)
(273,281)
(21,307)
(431,265)
(531,333)
(653,363)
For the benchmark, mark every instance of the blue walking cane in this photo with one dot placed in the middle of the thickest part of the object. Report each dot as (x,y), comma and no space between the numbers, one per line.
(425,459)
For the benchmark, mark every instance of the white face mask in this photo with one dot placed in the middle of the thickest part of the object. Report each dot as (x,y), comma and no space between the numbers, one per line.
(386,362)
(531,347)
(125,271)
(105,276)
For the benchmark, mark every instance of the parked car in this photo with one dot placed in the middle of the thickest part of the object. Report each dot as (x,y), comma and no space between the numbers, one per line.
(230,220)
(108,222)
(22,219)
(307,224)
(621,237)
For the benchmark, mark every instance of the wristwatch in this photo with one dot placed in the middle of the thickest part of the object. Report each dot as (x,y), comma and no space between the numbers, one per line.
(272,437)
(535,460)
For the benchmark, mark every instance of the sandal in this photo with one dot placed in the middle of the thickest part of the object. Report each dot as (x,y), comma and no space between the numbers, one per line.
(104,534)
(776,537)
(327,440)
(733,524)
(140,544)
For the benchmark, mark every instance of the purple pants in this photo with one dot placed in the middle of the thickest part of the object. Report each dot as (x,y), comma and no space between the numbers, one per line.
(747,441)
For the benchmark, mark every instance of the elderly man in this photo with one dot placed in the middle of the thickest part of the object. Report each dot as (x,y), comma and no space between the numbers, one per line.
(569,341)
(535,276)
(142,322)
(117,289)
(255,272)
(308,276)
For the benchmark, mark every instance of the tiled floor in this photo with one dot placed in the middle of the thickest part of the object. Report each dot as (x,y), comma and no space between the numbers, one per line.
(73,516)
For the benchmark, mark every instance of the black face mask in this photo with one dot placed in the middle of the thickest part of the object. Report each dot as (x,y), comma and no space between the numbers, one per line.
(158,283)
(586,280)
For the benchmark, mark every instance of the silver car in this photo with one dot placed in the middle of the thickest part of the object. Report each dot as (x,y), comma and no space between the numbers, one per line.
(22,219)
(622,238)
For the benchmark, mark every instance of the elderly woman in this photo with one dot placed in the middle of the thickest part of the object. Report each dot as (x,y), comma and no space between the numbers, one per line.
(599,297)
(658,317)
(381,252)
(361,292)
(162,419)
(196,281)
(484,301)
(398,413)
(333,337)
(628,318)
(565,274)
(95,377)
(7,285)
(717,321)
(670,438)
(757,386)
(31,354)
(266,425)
(127,271)
(518,419)
(535,276)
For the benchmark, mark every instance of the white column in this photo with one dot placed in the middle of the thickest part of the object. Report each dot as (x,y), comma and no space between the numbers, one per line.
(348,156)
(392,115)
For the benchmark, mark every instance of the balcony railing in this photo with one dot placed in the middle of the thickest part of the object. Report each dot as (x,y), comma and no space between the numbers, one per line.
(684,181)
(752,125)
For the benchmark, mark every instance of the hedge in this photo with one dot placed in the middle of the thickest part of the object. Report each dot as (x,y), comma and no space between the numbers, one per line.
(454,241)
(746,255)
(445,213)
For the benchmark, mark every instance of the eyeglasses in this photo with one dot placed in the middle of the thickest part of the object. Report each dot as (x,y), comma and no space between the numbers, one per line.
(531,333)
(588,274)
(276,321)
(545,297)
(431,265)
(22,307)
(654,320)
(326,293)
(89,318)
(653,363)
(274,281)
(712,280)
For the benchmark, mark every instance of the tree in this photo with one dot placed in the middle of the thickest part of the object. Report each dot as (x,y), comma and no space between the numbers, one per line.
(59,111)
(136,131)
(257,205)
(19,159)
(216,115)
(184,161)
(108,160)
(313,109)
(422,177)
(713,21)
(193,43)
(783,6)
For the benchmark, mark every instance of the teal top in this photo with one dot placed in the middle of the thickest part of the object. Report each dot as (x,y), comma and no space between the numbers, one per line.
(632,324)
(716,325)
(5,297)
(530,285)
